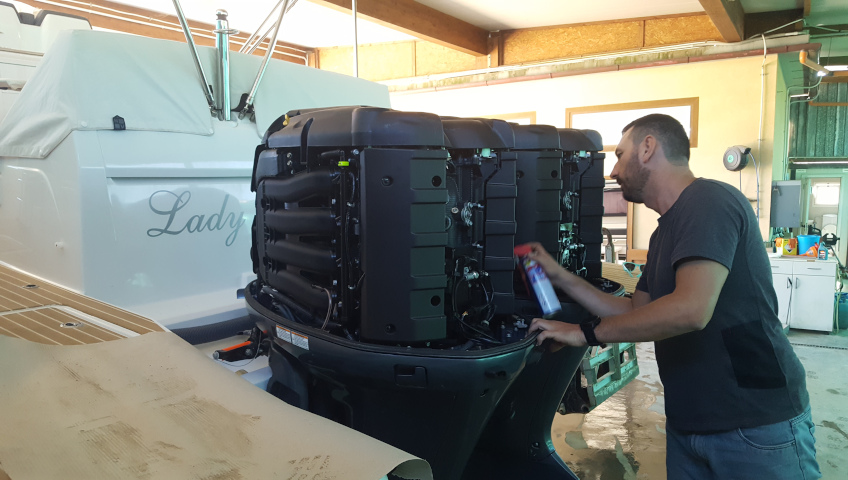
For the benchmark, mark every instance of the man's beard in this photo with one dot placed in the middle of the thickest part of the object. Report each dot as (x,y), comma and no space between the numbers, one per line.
(634,180)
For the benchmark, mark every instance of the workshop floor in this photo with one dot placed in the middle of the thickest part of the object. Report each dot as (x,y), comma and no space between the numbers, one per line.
(624,438)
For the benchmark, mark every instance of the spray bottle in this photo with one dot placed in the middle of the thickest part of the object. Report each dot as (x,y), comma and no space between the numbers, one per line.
(539,282)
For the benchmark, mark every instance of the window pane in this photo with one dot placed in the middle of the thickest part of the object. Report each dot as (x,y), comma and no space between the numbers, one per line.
(826,194)
(609,124)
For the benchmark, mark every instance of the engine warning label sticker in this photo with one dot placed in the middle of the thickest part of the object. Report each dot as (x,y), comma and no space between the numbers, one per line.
(284,334)
(295,339)
(301,341)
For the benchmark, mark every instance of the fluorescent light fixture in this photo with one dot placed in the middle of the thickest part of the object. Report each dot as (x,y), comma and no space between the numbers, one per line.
(838,68)
(821,162)
(820,71)
(800,95)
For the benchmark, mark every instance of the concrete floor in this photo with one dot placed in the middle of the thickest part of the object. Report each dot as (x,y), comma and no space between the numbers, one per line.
(624,438)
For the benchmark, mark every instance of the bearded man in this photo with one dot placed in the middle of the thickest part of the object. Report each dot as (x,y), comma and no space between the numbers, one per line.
(736,399)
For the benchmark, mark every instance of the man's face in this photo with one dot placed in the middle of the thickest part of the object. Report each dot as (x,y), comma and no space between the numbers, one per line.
(630,174)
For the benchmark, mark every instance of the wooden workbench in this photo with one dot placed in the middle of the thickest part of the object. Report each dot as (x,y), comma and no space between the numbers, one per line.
(617,273)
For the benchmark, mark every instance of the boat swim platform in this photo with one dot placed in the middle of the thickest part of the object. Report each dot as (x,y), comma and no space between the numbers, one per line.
(41,312)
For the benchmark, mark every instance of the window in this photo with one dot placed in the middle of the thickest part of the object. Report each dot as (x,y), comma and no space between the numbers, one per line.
(614,202)
(521,118)
(825,194)
(608,120)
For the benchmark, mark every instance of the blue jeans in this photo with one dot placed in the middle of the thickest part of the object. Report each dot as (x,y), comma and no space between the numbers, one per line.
(780,451)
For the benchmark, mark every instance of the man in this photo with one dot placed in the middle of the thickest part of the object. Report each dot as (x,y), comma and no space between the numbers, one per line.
(736,400)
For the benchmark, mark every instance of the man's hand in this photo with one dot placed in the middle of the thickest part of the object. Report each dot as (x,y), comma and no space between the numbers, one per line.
(562,334)
(552,268)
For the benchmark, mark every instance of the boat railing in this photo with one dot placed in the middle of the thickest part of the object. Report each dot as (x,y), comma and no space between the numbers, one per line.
(207,89)
(222,44)
(222,32)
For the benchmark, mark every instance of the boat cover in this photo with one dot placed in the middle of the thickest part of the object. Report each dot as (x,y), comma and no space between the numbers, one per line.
(89,77)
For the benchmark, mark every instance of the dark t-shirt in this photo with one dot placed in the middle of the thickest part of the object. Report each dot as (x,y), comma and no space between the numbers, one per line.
(740,370)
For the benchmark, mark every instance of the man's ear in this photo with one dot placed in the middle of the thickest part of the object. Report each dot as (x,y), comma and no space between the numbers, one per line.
(647,149)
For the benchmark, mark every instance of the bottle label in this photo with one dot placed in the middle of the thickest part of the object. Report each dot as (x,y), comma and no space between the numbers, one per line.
(541,287)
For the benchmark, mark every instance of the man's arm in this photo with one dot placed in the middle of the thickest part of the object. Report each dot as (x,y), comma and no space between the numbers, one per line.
(587,295)
(688,308)
(640,298)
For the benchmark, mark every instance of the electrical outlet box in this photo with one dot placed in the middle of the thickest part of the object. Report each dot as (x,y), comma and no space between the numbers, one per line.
(785,204)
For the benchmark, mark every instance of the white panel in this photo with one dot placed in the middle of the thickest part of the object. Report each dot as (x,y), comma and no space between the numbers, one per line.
(816,268)
(507,14)
(781,267)
(11,28)
(610,124)
(812,303)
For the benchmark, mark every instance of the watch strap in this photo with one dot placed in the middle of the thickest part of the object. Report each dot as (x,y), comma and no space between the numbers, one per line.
(588,328)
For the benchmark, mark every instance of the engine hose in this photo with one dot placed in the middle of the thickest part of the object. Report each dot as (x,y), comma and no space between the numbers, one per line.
(214,331)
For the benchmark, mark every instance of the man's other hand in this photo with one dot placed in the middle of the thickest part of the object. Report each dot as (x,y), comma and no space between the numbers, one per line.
(562,334)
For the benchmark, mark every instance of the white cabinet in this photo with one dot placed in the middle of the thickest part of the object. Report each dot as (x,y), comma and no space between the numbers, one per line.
(804,288)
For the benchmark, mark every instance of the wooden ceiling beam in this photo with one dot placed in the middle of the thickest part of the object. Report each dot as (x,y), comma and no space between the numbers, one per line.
(413,18)
(773,22)
(149,23)
(728,17)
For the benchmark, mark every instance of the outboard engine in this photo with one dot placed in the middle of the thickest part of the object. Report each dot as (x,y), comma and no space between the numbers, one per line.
(383,248)
(582,201)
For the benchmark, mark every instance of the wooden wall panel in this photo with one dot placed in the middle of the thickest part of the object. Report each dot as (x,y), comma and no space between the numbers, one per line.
(378,61)
(671,31)
(336,59)
(384,61)
(410,59)
(531,45)
(431,59)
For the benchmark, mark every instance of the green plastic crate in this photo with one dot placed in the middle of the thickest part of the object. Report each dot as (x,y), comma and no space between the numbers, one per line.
(603,372)
(608,369)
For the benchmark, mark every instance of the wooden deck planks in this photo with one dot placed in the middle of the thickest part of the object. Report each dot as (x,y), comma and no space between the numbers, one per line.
(33,309)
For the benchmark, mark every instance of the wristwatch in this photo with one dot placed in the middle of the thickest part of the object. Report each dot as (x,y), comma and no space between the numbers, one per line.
(588,328)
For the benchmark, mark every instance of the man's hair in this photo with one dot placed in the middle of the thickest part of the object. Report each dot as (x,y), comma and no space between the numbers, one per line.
(668,132)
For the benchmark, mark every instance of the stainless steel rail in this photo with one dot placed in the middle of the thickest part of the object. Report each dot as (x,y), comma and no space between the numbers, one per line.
(271,44)
(207,90)
(222,44)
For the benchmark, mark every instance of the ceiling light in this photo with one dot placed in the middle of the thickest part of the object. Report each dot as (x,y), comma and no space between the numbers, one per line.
(821,71)
(821,162)
(800,95)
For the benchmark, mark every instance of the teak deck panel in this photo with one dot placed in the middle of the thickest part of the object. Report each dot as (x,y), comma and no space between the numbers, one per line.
(36,310)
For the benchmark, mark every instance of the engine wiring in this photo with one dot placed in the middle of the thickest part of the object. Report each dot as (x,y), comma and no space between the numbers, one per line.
(480,315)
